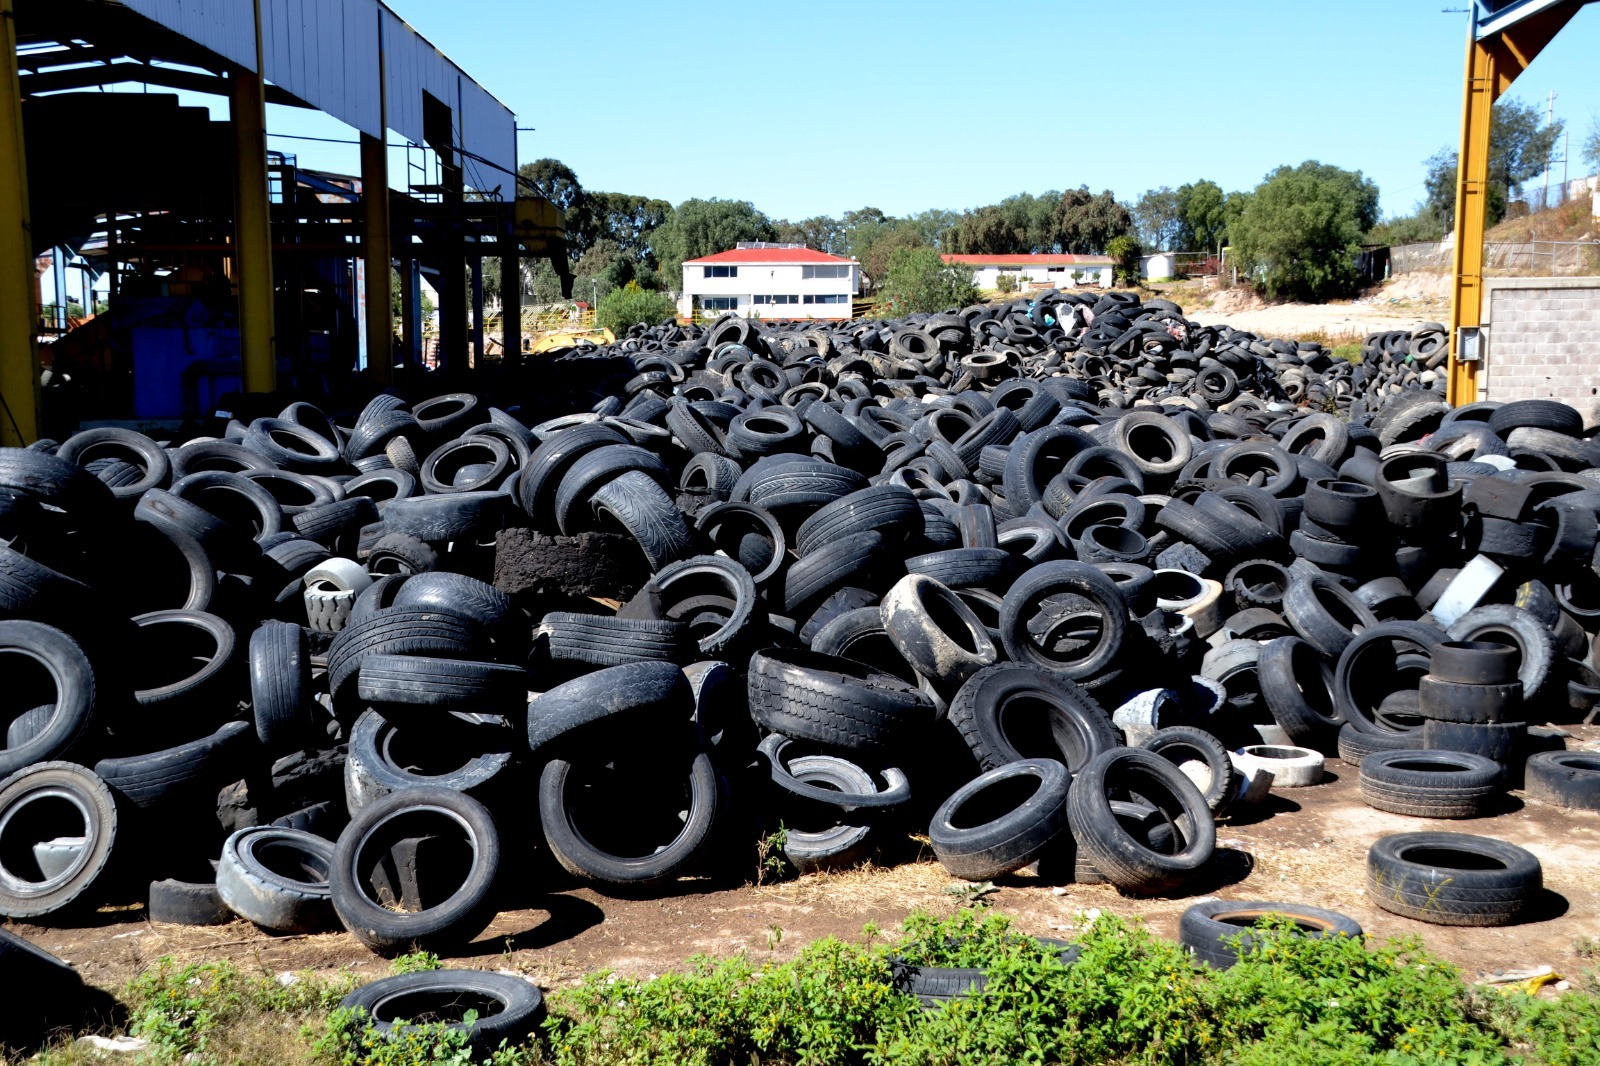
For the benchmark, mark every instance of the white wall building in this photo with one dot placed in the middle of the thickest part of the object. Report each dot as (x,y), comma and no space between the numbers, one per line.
(1038,271)
(1158,265)
(758,280)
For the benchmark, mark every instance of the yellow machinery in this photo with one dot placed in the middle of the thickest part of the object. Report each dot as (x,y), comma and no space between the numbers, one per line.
(1506,36)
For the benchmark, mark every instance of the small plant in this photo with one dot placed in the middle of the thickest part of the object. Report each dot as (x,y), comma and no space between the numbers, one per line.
(1006,282)
(971,894)
(416,962)
(771,865)
(348,1039)
(622,309)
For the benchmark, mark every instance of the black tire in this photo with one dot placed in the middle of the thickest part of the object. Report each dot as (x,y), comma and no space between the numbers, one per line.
(606,640)
(1366,674)
(935,631)
(246,506)
(1355,744)
(455,516)
(1452,878)
(639,505)
(1130,864)
(173,902)
(1028,594)
(1297,684)
(935,986)
(861,795)
(376,869)
(1201,758)
(384,758)
(61,678)
(597,468)
(1475,662)
(834,701)
(397,631)
(277,878)
(1506,623)
(164,778)
(1220,932)
(1001,820)
(622,697)
(509,1008)
(714,597)
(1505,743)
(173,642)
(1008,712)
(1565,779)
(890,510)
(855,560)
(961,568)
(628,854)
(466,464)
(442,684)
(1535,414)
(1324,614)
(401,553)
(110,442)
(26,890)
(1455,701)
(292,446)
(1430,784)
(280,686)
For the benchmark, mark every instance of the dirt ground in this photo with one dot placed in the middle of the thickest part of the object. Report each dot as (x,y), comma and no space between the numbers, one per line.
(1304,845)
(1403,302)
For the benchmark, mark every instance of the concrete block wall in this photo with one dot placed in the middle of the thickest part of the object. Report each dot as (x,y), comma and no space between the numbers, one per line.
(1544,341)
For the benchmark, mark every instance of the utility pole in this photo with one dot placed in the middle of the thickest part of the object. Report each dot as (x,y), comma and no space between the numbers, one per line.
(1549,117)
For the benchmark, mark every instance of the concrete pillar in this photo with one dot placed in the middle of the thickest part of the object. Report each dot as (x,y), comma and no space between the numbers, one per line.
(19,358)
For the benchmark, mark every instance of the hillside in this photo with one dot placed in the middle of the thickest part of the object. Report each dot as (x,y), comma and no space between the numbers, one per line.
(1570,222)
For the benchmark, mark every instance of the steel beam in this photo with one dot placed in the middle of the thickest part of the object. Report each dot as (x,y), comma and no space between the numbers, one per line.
(252,227)
(19,358)
(1494,60)
(380,259)
(511,309)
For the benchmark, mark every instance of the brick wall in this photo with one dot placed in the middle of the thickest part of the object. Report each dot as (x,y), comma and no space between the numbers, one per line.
(1544,341)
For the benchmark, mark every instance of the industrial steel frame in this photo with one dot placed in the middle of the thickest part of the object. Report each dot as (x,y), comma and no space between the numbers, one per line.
(1505,37)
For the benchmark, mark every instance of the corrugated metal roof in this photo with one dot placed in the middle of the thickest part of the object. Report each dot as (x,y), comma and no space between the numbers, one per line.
(326,53)
(775,256)
(1029,260)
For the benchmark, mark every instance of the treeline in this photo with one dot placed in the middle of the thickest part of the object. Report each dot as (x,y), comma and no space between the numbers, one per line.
(1296,235)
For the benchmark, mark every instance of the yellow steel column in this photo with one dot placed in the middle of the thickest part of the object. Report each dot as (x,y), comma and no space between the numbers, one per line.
(19,359)
(252,225)
(379,257)
(1472,186)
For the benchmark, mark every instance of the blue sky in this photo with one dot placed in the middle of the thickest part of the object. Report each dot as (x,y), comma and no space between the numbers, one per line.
(822,107)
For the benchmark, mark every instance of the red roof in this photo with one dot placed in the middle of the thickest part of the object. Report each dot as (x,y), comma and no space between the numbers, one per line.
(1028,260)
(770,255)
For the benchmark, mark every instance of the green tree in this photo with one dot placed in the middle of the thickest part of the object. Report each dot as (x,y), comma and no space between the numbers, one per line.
(935,225)
(918,279)
(1126,251)
(1301,229)
(558,183)
(1202,217)
(704,227)
(1085,223)
(1407,229)
(877,245)
(629,222)
(545,284)
(1591,144)
(1520,143)
(622,309)
(820,232)
(1160,217)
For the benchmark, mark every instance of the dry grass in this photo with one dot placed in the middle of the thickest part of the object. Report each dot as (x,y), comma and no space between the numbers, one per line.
(1569,222)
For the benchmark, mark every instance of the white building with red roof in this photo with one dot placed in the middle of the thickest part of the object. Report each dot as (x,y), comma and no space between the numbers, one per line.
(1038,271)
(760,280)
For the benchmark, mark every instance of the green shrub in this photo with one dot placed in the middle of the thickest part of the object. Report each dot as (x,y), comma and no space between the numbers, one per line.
(622,309)
(1126,251)
(1006,282)
(919,280)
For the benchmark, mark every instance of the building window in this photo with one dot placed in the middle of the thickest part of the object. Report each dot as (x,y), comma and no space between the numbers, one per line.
(765,299)
(810,272)
(827,298)
(720,303)
(721,272)
(1056,270)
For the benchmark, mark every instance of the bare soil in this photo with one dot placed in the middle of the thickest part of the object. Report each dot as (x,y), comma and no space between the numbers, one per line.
(1305,845)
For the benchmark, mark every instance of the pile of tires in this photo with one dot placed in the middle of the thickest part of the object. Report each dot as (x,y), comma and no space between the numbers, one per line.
(1050,581)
